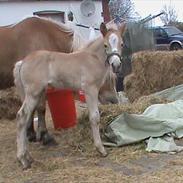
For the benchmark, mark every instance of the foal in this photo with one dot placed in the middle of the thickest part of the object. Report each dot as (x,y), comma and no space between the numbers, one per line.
(85,69)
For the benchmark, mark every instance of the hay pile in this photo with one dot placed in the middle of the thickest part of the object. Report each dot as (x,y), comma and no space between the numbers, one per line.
(9,103)
(152,72)
(110,112)
(81,134)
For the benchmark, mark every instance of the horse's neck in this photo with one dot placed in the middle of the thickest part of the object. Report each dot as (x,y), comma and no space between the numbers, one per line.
(97,48)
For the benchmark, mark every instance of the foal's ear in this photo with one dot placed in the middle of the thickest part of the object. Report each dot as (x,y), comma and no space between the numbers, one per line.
(103,29)
(122,28)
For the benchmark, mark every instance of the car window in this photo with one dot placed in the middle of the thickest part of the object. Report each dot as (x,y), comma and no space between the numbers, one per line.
(159,33)
(172,31)
(156,32)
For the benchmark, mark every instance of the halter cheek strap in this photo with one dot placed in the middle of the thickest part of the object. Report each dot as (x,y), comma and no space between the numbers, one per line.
(111,55)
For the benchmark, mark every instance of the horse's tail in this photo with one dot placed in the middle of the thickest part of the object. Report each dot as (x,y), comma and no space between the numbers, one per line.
(18,80)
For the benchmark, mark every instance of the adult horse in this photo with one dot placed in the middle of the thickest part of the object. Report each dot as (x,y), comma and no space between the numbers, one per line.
(30,35)
(86,69)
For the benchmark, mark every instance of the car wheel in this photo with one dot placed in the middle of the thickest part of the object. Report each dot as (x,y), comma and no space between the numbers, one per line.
(175,46)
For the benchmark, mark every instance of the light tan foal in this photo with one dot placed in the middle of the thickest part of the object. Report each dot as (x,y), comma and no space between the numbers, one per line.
(85,69)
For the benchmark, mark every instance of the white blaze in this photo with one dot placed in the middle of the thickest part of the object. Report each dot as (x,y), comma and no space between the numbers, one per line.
(113,41)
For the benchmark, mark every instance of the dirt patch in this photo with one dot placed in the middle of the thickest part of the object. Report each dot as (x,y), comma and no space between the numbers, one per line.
(152,72)
(9,103)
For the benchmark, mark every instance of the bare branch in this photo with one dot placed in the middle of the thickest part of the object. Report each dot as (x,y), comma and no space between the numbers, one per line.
(123,9)
(169,16)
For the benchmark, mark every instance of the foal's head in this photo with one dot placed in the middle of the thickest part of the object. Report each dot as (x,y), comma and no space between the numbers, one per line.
(113,44)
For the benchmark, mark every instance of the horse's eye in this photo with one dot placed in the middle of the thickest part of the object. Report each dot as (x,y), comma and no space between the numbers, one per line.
(122,45)
(105,45)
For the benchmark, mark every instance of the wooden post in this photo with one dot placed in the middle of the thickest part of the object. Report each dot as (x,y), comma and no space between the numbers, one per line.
(105,7)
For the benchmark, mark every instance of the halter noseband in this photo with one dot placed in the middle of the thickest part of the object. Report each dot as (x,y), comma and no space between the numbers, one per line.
(111,55)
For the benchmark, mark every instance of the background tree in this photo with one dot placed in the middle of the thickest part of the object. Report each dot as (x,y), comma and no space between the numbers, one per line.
(123,9)
(170,16)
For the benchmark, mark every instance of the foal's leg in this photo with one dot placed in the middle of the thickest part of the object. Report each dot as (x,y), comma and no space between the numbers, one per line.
(31,134)
(94,117)
(24,118)
(42,132)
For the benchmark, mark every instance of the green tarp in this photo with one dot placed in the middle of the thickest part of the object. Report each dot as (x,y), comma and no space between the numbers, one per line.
(159,123)
(173,93)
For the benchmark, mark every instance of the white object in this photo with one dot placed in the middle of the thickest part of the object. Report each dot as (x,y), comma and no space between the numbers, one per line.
(87,8)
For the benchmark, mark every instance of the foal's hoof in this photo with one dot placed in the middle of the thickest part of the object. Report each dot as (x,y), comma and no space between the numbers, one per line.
(26,161)
(26,165)
(102,152)
(47,139)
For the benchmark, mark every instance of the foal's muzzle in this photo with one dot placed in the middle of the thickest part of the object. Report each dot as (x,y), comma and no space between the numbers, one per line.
(114,59)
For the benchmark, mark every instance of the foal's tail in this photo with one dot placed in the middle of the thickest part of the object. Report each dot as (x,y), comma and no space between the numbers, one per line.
(18,80)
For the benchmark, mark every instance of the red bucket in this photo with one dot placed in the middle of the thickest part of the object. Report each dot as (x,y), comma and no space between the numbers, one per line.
(82,96)
(62,108)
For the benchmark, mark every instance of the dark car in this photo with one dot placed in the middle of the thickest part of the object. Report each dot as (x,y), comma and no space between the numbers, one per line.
(168,38)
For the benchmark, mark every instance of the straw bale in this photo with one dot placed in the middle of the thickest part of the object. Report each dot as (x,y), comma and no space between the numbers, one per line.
(9,103)
(153,72)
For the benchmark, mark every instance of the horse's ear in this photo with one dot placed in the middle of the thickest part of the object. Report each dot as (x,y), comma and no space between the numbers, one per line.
(122,28)
(103,29)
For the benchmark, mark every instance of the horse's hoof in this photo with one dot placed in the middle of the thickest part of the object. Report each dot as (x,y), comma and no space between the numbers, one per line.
(48,140)
(26,166)
(31,136)
(26,162)
(104,154)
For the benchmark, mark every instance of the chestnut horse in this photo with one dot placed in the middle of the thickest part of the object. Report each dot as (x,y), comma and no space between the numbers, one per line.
(29,35)
(33,34)
(85,69)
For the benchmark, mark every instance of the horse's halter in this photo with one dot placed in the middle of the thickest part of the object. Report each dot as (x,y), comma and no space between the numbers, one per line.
(113,41)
